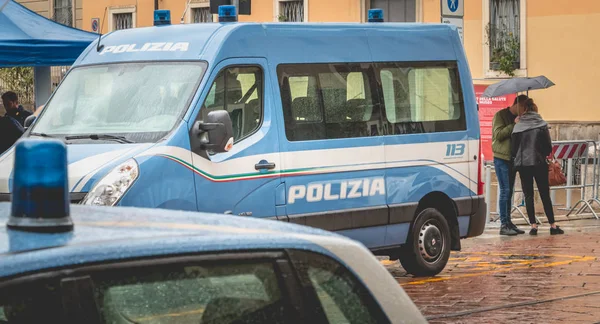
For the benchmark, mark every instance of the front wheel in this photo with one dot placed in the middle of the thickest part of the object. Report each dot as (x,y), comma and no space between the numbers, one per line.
(427,248)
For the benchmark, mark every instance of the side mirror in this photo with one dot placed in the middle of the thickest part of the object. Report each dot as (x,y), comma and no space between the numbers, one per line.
(216,132)
(29,121)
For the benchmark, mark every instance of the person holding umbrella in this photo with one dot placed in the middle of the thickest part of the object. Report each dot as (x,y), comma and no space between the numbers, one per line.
(530,146)
(502,128)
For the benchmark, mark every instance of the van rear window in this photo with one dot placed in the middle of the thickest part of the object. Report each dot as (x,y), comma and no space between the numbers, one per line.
(422,98)
(328,101)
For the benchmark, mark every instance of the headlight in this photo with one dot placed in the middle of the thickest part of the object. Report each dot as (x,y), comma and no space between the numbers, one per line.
(113,186)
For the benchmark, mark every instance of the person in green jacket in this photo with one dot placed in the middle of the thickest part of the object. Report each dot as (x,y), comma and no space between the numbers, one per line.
(502,128)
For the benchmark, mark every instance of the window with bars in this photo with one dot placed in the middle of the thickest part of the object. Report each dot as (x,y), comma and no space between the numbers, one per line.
(503,32)
(292,11)
(123,21)
(63,12)
(201,15)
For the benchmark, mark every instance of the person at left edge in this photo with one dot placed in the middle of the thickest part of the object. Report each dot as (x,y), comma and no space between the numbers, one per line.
(10,132)
(10,100)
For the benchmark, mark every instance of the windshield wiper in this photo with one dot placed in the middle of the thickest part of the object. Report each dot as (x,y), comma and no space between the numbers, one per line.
(120,139)
(41,135)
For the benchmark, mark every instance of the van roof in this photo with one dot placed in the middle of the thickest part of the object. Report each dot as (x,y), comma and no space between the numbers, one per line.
(281,43)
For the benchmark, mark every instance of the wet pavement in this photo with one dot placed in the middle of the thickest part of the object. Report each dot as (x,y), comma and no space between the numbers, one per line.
(524,279)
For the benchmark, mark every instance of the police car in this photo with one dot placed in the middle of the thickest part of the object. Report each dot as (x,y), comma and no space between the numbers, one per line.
(85,264)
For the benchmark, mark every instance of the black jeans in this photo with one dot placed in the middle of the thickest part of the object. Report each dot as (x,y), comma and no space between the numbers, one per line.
(540,174)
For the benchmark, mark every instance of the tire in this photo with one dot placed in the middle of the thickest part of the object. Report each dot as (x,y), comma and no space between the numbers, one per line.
(424,254)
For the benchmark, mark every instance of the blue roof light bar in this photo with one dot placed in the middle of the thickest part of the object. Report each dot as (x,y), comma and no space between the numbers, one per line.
(227,14)
(162,17)
(375,15)
(40,194)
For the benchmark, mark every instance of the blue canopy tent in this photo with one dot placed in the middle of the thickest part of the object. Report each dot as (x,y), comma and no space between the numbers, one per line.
(28,39)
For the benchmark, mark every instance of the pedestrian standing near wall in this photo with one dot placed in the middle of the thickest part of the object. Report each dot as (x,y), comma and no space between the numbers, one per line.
(531,145)
(502,128)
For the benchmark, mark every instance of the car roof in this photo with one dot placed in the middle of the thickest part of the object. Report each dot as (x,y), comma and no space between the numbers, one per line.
(284,43)
(118,233)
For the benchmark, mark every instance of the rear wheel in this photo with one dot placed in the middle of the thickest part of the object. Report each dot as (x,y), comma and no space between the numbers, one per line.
(427,248)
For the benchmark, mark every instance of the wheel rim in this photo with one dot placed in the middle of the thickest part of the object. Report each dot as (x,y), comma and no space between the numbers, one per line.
(431,242)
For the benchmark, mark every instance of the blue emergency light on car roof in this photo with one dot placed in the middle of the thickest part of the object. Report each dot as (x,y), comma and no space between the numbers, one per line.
(40,197)
(162,17)
(376,15)
(227,14)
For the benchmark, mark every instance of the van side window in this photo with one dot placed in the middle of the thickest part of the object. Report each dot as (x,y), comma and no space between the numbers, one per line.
(422,98)
(328,101)
(304,87)
(239,91)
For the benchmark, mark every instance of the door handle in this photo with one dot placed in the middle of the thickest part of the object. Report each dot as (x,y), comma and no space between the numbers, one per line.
(264,165)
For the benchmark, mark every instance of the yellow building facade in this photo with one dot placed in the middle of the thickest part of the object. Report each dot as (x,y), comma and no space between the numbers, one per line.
(66,12)
(556,38)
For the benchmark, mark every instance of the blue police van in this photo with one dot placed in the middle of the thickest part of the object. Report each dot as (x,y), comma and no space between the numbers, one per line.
(369,130)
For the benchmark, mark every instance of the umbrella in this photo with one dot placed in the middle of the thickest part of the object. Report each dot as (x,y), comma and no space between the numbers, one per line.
(516,85)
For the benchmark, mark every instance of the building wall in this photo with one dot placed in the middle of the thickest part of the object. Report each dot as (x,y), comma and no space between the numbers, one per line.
(262,11)
(561,43)
(79,14)
(334,11)
(44,8)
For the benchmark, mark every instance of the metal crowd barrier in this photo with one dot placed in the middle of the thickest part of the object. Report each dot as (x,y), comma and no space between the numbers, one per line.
(568,151)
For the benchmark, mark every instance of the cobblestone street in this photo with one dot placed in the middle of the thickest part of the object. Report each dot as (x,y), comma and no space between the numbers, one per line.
(524,279)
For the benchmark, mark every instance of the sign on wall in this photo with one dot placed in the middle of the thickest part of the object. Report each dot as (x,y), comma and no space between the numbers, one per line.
(488,107)
(458,22)
(452,13)
(453,8)
(96,25)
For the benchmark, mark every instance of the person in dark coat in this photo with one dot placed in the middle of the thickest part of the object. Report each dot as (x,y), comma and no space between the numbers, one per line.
(502,127)
(530,146)
(10,131)
(11,124)
(10,100)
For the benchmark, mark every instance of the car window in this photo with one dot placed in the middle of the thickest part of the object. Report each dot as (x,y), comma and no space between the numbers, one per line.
(243,293)
(304,87)
(32,303)
(238,90)
(86,101)
(342,298)
(423,97)
(328,101)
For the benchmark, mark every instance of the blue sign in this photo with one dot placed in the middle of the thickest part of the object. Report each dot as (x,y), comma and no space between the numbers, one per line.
(453,5)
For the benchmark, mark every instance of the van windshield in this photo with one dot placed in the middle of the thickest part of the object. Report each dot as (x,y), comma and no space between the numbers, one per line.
(140,102)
